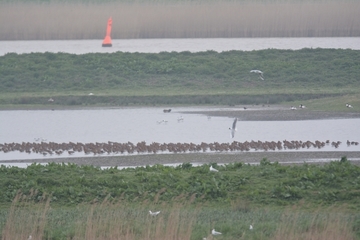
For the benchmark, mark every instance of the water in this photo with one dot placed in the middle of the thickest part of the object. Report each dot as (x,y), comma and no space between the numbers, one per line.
(177,45)
(141,124)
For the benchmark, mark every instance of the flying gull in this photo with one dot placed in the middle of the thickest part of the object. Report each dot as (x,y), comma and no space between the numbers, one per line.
(233,128)
(154,213)
(261,76)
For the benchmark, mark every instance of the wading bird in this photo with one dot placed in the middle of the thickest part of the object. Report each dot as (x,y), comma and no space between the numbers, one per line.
(261,74)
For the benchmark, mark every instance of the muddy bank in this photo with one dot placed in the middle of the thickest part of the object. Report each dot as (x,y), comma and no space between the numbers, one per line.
(276,113)
(245,157)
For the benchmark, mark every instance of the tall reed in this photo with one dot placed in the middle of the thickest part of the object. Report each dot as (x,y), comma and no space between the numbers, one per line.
(183,19)
(25,218)
(177,220)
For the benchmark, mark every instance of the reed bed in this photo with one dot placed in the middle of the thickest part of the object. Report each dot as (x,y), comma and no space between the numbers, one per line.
(177,220)
(179,19)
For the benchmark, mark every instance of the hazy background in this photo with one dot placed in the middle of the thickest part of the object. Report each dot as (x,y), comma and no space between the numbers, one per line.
(56,20)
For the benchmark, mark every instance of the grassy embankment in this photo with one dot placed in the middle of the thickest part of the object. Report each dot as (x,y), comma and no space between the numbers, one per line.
(86,19)
(83,202)
(325,78)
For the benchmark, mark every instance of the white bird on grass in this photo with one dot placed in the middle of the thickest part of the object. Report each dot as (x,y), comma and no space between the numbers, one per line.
(213,232)
(349,105)
(213,169)
(261,74)
(154,213)
(233,128)
(251,227)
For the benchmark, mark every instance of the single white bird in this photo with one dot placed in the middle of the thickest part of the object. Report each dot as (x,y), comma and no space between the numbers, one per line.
(293,108)
(349,105)
(213,169)
(251,227)
(90,94)
(162,121)
(180,119)
(233,128)
(154,213)
(301,106)
(30,237)
(261,74)
(213,232)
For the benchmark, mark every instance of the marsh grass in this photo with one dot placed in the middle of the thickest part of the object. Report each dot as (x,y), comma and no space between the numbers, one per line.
(112,219)
(178,19)
(26,218)
(322,225)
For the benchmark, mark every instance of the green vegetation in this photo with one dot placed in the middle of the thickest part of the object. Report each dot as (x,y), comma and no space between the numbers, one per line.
(178,77)
(271,184)
(62,201)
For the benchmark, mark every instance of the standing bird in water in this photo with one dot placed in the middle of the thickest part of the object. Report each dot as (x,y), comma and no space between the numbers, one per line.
(261,74)
(233,128)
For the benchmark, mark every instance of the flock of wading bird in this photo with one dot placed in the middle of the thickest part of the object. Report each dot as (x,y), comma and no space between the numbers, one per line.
(50,148)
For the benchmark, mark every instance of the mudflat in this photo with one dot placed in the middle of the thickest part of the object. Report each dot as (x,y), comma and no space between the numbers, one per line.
(251,113)
(295,157)
(278,113)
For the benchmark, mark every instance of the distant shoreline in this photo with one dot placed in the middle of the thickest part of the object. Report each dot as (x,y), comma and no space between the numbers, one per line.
(288,158)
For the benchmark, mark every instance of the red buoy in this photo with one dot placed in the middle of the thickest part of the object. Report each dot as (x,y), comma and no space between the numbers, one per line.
(107,39)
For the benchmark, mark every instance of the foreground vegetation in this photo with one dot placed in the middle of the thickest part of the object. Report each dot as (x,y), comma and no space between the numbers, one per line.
(269,183)
(178,78)
(60,201)
(108,220)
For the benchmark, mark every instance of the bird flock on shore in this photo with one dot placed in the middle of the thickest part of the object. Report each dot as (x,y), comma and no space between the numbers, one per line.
(100,148)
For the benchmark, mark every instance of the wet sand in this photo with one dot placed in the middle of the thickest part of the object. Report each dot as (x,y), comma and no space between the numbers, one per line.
(296,157)
(277,113)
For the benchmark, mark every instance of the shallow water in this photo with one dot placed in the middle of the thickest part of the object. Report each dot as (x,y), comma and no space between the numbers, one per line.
(177,45)
(142,124)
